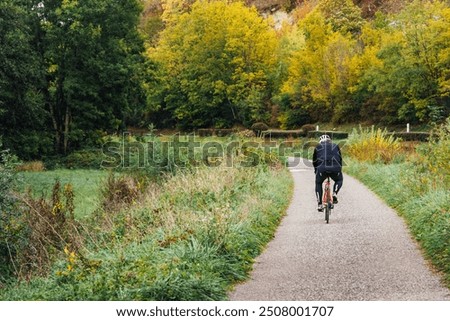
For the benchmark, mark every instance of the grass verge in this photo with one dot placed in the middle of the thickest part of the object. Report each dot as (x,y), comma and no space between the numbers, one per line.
(416,197)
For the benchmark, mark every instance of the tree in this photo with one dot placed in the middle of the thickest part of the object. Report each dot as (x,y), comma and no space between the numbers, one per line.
(92,52)
(409,81)
(22,113)
(216,65)
(69,68)
(343,15)
(319,73)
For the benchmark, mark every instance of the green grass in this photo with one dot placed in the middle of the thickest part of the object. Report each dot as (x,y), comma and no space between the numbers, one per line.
(423,202)
(86,184)
(190,238)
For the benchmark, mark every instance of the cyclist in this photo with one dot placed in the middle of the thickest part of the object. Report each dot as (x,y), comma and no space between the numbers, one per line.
(327,161)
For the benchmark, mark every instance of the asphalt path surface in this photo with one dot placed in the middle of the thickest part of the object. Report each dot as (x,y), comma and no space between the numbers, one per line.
(364,253)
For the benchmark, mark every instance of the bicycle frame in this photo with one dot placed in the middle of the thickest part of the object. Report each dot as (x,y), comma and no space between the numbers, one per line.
(327,201)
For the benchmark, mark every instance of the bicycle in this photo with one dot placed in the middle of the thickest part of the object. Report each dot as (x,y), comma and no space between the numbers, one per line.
(327,200)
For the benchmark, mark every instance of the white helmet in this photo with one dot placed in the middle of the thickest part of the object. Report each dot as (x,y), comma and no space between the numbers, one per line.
(324,138)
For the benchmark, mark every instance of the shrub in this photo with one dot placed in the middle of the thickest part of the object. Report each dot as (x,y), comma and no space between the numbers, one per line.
(8,210)
(436,152)
(308,128)
(84,159)
(119,191)
(220,132)
(8,163)
(34,166)
(373,145)
(259,127)
(294,118)
(37,229)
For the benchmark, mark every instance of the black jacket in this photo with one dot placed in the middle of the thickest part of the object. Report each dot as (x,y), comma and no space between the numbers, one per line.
(327,157)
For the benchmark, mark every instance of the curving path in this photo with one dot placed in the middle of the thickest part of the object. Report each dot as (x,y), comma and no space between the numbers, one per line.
(364,253)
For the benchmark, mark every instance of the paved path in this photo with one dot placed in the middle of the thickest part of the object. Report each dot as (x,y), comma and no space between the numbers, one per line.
(364,253)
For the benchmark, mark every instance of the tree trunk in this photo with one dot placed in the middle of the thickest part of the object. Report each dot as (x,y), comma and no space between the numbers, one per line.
(66,129)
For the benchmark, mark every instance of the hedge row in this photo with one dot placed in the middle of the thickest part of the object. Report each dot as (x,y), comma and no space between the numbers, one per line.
(332,134)
(204,132)
(412,136)
(273,133)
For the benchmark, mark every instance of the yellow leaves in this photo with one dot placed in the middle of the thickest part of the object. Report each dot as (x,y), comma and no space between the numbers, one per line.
(322,67)
(52,68)
(220,30)
(173,9)
(218,52)
(57,208)
(67,4)
(71,259)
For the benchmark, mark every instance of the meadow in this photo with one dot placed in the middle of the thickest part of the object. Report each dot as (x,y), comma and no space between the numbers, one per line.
(85,182)
(188,234)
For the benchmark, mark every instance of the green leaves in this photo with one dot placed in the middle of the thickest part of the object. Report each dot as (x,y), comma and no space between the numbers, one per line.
(68,68)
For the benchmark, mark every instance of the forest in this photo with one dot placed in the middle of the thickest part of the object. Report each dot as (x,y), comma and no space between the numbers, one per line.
(74,71)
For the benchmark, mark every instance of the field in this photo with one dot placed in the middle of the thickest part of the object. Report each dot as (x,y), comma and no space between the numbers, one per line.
(188,235)
(86,185)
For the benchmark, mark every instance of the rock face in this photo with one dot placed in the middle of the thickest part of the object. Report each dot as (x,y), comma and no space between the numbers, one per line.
(273,5)
(368,7)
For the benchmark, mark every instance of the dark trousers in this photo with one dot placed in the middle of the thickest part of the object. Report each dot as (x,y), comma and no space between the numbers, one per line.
(321,176)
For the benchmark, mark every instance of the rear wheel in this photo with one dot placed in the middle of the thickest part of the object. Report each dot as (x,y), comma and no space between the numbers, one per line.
(327,212)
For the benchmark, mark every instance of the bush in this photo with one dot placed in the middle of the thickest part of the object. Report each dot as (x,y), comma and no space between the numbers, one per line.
(222,132)
(50,226)
(119,191)
(8,163)
(246,134)
(308,128)
(30,144)
(436,153)
(258,128)
(294,118)
(34,166)
(36,230)
(373,145)
(9,213)
(84,159)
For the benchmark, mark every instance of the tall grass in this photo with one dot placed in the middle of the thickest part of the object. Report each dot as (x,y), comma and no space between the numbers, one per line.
(372,145)
(189,238)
